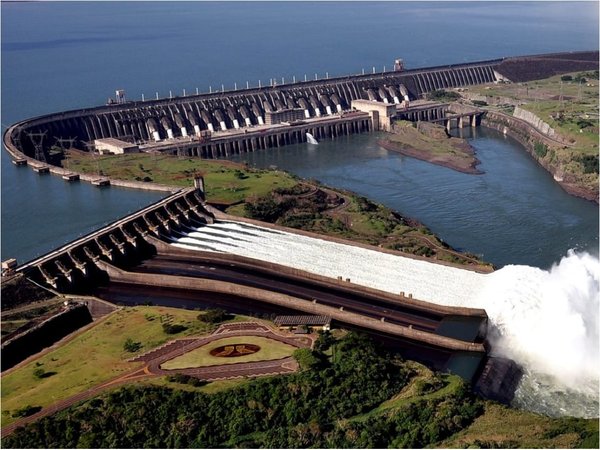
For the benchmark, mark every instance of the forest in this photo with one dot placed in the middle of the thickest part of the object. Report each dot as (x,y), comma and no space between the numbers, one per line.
(311,408)
(345,395)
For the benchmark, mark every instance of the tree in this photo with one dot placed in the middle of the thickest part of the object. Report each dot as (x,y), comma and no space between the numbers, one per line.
(130,346)
(214,315)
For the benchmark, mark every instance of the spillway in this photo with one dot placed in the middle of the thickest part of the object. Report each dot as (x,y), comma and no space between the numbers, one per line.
(387,272)
(546,321)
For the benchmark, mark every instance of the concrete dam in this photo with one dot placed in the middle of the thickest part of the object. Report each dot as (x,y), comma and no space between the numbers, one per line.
(155,120)
(219,124)
(137,259)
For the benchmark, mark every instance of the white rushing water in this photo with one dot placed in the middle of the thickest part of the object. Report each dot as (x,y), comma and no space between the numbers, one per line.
(311,139)
(546,321)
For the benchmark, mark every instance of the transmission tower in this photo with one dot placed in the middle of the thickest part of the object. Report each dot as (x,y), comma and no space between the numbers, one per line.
(37,140)
(91,148)
(16,137)
(61,143)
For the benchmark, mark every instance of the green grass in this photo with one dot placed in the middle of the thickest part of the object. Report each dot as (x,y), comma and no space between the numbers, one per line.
(225,181)
(502,426)
(92,357)
(210,388)
(201,357)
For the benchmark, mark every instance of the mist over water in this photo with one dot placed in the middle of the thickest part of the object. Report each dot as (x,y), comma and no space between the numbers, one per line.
(547,321)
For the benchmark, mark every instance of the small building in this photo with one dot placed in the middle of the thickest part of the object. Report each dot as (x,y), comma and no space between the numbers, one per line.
(115,146)
(381,113)
(284,115)
(9,266)
(303,323)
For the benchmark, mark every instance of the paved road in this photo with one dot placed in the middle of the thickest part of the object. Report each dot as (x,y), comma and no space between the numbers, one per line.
(171,264)
(154,358)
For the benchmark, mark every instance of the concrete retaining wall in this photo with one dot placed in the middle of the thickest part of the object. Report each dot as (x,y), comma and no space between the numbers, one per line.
(288,302)
(44,335)
(535,121)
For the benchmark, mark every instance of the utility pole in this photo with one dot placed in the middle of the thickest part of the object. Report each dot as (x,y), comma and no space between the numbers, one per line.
(91,147)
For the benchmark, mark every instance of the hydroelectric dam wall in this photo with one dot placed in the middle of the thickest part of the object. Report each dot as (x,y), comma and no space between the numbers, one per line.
(184,120)
(219,124)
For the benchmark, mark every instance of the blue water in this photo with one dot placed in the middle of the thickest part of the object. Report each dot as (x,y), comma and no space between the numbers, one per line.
(512,214)
(58,56)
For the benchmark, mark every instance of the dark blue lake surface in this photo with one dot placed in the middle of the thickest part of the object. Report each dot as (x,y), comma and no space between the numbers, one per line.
(58,56)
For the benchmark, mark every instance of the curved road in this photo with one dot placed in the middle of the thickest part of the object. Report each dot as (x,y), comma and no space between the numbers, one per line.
(171,264)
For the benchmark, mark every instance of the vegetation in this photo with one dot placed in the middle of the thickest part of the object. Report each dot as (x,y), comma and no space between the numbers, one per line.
(275,197)
(363,398)
(214,315)
(186,379)
(442,95)
(352,217)
(90,358)
(540,149)
(226,182)
(201,357)
(430,142)
(131,346)
(26,411)
(568,104)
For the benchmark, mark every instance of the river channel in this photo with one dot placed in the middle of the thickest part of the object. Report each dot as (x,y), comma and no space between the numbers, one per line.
(514,213)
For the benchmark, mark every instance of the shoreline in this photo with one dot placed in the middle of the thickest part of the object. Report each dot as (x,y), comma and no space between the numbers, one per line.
(414,153)
(524,134)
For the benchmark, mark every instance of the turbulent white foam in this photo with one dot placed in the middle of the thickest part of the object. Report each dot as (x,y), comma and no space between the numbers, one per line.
(426,281)
(547,321)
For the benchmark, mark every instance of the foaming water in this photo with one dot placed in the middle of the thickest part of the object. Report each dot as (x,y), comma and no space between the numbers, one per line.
(545,320)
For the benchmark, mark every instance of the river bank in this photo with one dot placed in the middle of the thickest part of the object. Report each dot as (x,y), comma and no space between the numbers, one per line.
(277,197)
(429,142)
(555,119)
(528,136)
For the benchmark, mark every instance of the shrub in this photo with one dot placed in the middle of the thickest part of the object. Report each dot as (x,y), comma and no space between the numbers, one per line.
(26,411)
(215,315)
(590,163)
(267,209)
(479,103)
(41,373)
(324,341)
(186,379)
(131,346)
(566,78)
(170,328)
(540,149)
(306,358)
(443,95)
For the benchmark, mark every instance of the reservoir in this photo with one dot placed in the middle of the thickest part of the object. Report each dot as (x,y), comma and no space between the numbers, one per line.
(61,56)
